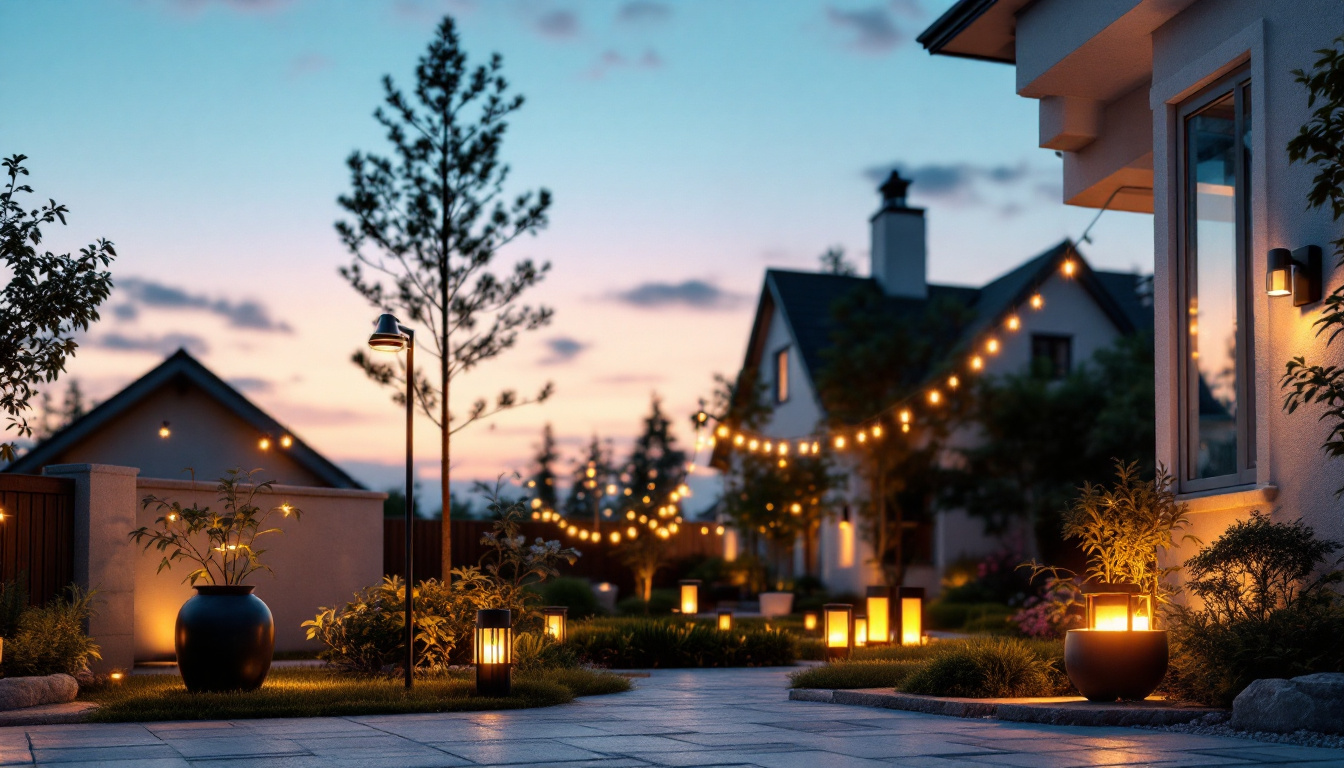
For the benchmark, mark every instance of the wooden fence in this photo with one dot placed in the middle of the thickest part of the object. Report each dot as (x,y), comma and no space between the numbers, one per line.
(37,533)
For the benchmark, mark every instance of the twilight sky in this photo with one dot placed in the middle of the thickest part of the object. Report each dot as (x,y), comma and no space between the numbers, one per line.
(689,145)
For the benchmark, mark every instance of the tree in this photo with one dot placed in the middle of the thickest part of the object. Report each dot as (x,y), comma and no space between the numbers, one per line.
(426,225)
(655,472)
(54,418)
(588,488)
(833,262)
(542,482)
(47,300)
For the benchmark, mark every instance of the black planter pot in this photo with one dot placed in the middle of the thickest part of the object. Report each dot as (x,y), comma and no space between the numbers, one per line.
(225,639)
(1110,665)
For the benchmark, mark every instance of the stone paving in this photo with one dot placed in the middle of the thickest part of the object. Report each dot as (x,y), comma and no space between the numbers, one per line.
(675,718)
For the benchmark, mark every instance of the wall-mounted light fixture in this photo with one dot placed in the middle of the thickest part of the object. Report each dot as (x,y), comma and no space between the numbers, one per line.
(164,431)
(1295,273)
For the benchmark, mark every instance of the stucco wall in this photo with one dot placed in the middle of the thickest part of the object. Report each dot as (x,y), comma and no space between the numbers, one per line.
(335,549)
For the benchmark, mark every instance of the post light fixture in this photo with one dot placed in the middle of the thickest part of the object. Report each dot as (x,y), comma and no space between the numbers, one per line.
(389,335)
(555,622)
(1118,654)
(837,629)
(1115,608)
(690,596)
(911,628)
(809,621)
(164,431)
(860,631)
(878,605)
(725,620)
(494,652)
(1295,273)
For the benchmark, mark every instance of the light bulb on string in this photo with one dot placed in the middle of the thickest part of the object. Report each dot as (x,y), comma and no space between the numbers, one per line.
(905,428)
(739,439)
(1037,301)
(992,346)
(862,437)
(953,382)
(1013,323)
(877,431)
(721,431)
(1069,267)
(977,363)
(751,446)
(905,417)
(769,446)
(935,397)
(840,442)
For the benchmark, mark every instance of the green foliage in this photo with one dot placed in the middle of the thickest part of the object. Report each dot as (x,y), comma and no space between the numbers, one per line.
(227,555)
(833,262)
(660,603)
(574,594)
(587,492)
(666,644)
(13,602)
(541,485)
(394,506)
(534,651)
(51,638)
(988,668)
(855,674)
(656,470)
(968,617)
(1318,144)
(53,417)
(46,300)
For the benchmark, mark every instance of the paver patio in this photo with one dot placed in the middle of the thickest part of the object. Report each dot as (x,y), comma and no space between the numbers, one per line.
(674,718)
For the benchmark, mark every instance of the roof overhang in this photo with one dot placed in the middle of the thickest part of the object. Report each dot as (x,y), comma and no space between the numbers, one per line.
(976,29)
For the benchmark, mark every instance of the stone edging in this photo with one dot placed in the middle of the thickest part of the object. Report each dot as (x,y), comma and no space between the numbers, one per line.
(1056,712)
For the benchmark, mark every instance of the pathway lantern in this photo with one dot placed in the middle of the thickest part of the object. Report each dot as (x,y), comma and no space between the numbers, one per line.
(690,596)
(494,652)
(555,619)
(1118,654)
(879,615)
(726,620)
(912,615)
(809,621)
(860,631)
(838,629)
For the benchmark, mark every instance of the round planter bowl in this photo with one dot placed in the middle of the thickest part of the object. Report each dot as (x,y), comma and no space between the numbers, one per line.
(1106,665)
(225,639)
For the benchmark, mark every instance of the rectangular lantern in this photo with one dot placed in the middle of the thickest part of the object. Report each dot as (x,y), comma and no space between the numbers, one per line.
(554,617)
(690,597)
(911,614)
(494,652)
(1118,608)
(860,631)
(809,621)
(725,620)
(879,615)
(837,629)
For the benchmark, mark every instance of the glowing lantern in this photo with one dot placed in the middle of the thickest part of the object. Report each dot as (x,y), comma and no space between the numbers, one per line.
(494,652)
(810,621)
(690,596)
(1118,655)
(878,603)
(1117,611)
(725,620)
(554,618)
(860,631)
(911,629)
(838,629)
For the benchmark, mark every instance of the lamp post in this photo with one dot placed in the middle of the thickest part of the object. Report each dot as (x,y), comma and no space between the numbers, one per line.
(391,336)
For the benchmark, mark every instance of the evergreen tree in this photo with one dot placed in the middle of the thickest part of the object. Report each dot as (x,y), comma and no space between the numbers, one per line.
(655,476)
(542,483)
(588,490)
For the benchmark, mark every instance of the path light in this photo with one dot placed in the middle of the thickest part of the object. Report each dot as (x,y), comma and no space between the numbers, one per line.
(860,631)
(690,596)
(912,615)
(725,620)
(809,621)
(878,603)
(1118,655)
(838,629)
(554,617)
(494,652)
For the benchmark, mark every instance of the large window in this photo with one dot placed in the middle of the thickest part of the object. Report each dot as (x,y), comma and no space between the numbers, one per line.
(782,375)
(1052,354)
(1216,399)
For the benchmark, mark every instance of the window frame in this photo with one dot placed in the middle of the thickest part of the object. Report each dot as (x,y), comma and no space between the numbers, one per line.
(1067,339)
(1239,84)
(782,384)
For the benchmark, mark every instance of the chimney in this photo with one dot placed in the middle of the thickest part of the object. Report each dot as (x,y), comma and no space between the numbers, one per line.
(897,252)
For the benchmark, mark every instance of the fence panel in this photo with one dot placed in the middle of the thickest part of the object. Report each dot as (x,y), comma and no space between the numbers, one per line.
(37,533)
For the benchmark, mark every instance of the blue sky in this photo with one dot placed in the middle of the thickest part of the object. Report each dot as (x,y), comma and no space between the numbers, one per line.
(689,145)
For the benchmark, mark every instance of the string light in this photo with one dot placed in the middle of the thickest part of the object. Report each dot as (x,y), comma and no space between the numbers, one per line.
(935,397)
(264,443)
(1037,301)
(840,442)
(164,431)
(977,363)
(1013,323)
(1069,267)
(286,441)
(992,346)
(877,430)
(953,382)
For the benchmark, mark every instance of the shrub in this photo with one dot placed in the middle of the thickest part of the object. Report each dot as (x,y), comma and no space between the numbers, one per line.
(666,644)
(986,668)
(971,617)
(51,639)
(855,673)
(538,651)
(661,602)
(574,594)
(1050,616)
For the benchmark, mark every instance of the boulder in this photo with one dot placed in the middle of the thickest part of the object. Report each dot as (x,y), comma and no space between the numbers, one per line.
(1311,702)
(20,692)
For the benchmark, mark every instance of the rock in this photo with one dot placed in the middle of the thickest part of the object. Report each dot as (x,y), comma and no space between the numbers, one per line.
(1311,703)
(20,692)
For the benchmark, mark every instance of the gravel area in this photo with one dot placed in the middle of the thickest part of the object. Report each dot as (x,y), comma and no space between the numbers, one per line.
(1215,724)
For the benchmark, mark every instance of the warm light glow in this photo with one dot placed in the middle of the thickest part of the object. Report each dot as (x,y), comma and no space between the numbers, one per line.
(753,445)
(977,363)
(877,430)
(935,397)
(796,508)
(739,439)
(905,417)
(264,443)
(879,615)
(862,437)
(860,631)
(690,598)
(615,537)
(912,629)
(1110,618)
(837,628)
(286,441)
(164,431)
(1013,323)
(846,554)
(810,621)
(722,431)
(719,530)
(953,382)
(815,446)
(492,646)
(573,530)
(583,535)
(1069,267)
(285,509)
(725,620)
(1279,284)
(1140,623)
(992,346)
(118,676)
(905,427)
(632,532)
(1037,301)
(555,624)
(840,442)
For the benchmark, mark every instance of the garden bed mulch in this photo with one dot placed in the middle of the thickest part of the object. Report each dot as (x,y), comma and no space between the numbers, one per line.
(1051,711)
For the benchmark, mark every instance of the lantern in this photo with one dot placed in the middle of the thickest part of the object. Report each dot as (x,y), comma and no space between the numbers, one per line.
(554,618)
(912,615)
(725,620)
(494,651)
(1117,611)
(838,629)
(879,615)
(860,631)
(1118,655)
(809,621)
(690,597)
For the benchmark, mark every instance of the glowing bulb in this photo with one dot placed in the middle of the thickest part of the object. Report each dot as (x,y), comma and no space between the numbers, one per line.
(1069,267)
(286,441)
(992,346)
(877,430)
(796,508)
(285,509)
(164,431)
(719,530)
(816,446)
(862,437)
(783,463)
(722,431)
(935,397)
(573,530)
(264,443)
(632,531)
(905,427)
(172,516)
(1037,301)
(769,446)
(840,442)
(905,417)
(953,382)
(753,445)
(704,530)
(1013,323)
(583,535)
(738,439)
(977,363)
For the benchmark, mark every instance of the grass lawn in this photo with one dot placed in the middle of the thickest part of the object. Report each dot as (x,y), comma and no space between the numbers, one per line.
(318,693)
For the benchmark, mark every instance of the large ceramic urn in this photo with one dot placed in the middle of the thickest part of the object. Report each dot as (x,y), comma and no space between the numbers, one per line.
(225,639)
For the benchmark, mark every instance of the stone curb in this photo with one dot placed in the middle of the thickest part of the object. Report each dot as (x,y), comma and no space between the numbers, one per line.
(1060,712)
(48,714)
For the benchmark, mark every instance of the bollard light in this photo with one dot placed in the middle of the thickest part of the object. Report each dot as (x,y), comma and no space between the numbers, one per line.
(1114,609)
(838,629)
(690,596)
(912,615)
(809,621)
(494,652)
(725,620)
(879,615)
(860,631)
(554,618)
(1118,655)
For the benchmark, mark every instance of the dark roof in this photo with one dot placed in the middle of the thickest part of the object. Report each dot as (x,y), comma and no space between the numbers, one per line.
(993,41)
(178,367)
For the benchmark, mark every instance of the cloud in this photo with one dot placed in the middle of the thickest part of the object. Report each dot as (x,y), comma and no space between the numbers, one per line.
(964,183)
(308,64)
(613,59)
(248,314)
(125,311)
(563,350)
(643,11)
(694,294)
(870,30)
(557,25)
(909,8)
(251,384)
(163,345)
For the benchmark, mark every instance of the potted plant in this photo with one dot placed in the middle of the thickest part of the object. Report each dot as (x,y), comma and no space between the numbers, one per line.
(225,635)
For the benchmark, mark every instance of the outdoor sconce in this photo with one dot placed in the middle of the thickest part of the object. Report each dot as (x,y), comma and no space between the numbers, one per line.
(726,620)
(1295,273)
(494,651)
(838,629)
(690,596)
(1118,655)
(809,621)
(860,631)
(879,616)
(164,431)
(911,629)
(554,617)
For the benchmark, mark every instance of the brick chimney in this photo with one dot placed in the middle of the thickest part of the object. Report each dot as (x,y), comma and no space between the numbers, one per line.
(898,250)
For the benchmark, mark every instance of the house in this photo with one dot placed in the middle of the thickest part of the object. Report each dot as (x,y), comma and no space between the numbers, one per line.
(138,443)
(1088,310)
(1184,109)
